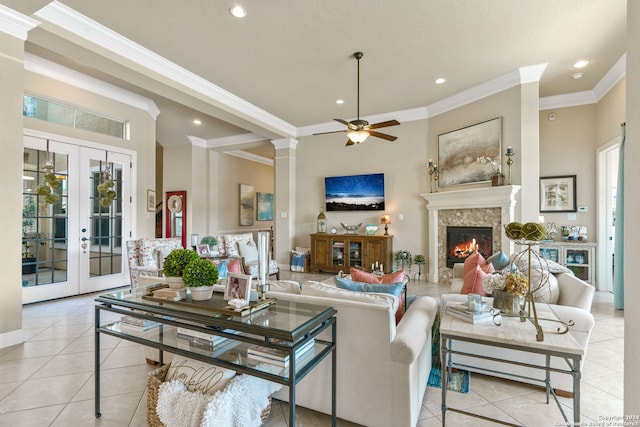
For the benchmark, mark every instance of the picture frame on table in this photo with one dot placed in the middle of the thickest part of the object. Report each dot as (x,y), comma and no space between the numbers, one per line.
(151,201)
(238,287)
(203,250)
(558,194)
(468,155)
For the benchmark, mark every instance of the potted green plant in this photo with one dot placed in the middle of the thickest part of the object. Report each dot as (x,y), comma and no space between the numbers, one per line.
(174,265)
(199,276)
(211,242)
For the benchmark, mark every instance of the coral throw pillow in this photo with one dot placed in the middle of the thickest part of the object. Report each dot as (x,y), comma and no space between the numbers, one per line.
(364,277)
(233,266)
(472,262)
(473,280)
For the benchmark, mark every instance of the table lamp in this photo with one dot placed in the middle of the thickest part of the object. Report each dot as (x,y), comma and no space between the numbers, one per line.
(386,221)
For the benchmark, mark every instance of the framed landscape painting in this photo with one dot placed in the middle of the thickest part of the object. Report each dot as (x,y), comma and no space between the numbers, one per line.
(465,155)
(246,204)
(558,194)
(265,206)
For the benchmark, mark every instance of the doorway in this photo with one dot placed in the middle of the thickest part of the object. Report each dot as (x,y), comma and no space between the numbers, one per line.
(76,212)
(608,156)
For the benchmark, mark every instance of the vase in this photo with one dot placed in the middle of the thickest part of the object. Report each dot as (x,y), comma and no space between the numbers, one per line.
(175,282)
(506,302)
(497,180)
(201,293)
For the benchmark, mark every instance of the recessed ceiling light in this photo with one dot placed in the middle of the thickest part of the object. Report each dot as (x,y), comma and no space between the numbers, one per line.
(581,64)
(339,101)
(577,76)
(197,122)
(440,80)
(238,11)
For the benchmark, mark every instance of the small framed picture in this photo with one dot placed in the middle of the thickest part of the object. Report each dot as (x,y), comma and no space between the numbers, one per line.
(238,287)
(203,250)
(151,201)
(370,229)
(558,194)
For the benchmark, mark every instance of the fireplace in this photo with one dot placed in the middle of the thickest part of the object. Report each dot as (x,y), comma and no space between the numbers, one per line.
(463,241)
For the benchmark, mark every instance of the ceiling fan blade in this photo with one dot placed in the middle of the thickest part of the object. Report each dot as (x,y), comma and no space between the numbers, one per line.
(382,135)
(346,123)
(333,131)
(384,124)
(349,142)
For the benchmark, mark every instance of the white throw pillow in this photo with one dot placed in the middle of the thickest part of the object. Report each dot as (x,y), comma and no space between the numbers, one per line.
(198,376)
(249,251)
(550,291)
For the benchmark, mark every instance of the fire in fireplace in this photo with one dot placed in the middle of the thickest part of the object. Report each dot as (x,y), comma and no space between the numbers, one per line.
(463,241)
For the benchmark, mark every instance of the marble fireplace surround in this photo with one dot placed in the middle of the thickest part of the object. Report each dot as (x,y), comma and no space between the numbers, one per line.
(460,202)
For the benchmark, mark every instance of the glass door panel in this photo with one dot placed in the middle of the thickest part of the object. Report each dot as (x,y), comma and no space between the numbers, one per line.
(337,251)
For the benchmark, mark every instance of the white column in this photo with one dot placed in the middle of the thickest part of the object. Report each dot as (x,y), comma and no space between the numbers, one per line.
(285,198)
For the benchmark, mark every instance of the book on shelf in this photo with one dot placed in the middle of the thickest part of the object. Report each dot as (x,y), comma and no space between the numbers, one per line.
(171,294)
(275,355)
(460,311)
(136,323)
(187,333)
(129,329)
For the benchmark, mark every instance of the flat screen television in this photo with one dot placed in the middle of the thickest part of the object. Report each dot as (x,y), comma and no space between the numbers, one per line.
(354,192)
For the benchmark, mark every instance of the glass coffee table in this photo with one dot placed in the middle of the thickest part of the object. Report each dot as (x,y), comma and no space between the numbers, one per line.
(283,325)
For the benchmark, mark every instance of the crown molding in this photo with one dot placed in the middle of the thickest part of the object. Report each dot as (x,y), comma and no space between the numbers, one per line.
(197,142)
(94,32)
(250,156)
(16,24)
(568,100)
(46,68)
(613,76)
(246,138)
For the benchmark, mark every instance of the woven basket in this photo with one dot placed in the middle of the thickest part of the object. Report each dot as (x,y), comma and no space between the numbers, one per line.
(155,378)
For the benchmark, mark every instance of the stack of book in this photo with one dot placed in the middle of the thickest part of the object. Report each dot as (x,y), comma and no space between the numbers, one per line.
(135,325)
(276,356)
(459,310)
(203,339)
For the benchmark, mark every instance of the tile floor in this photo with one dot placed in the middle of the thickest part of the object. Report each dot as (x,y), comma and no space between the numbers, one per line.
(48,380)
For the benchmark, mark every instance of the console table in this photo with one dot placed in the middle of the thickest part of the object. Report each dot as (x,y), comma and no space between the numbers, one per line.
(335,252)
(284,325)
(515,335)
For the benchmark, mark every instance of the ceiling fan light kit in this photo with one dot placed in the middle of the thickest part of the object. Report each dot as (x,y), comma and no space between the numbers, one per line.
(358,130)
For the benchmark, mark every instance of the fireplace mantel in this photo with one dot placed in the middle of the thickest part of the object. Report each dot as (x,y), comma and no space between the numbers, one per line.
(503,197)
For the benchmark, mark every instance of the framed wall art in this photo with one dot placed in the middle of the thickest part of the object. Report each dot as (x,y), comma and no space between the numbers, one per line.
(466,155)
(246,204)
(558,194)
(265,206)
(151,201)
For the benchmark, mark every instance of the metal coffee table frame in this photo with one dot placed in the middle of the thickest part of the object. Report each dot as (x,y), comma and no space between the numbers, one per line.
(573,360)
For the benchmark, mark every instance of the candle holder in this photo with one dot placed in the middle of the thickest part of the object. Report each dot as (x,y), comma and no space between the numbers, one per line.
(510,154)
(434,174)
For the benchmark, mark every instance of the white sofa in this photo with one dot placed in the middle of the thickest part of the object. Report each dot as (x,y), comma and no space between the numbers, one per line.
(382,369)
(574,303)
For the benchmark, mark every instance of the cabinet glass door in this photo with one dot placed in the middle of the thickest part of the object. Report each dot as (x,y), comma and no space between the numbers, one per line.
(549,253)
(337,253)
(355,254)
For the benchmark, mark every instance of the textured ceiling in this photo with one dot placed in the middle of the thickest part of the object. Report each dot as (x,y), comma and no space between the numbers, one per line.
(293,59)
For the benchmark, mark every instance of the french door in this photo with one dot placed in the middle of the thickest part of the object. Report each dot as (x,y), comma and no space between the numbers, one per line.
(76,212)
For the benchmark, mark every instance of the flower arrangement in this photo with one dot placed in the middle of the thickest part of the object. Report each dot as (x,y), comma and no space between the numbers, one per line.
(177,260)
(209,240)
(515,283)
(200,272)
(404,257)
(419,259)
(496,167)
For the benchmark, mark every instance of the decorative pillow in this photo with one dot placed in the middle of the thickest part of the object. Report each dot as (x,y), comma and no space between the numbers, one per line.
(550,291)
(230,241)
(233,266)
(249,251)
(499,260)
(472,262)
(365,277)
(317,289)
(222,269)
(384,288)
(473,280)
(198,376)
(303,250)
(222,247)
(148,257)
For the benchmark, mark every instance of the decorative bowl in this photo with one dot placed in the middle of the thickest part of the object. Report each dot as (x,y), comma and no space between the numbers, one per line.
(351,229)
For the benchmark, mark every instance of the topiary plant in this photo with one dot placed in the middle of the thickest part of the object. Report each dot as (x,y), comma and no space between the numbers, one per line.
(200,272)
(177,260)
(209,240)
(419,259)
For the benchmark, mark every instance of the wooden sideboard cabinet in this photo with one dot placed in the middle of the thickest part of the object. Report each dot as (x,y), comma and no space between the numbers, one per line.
(335,252)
